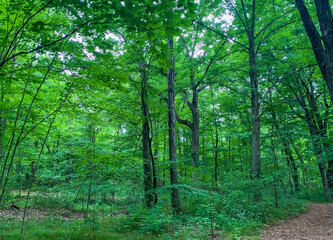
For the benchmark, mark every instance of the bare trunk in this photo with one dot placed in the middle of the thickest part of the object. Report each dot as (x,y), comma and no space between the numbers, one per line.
(256,163)
(195,145)
(203,139)
(275,172)
(329,152)
(216,156)
(324,179)
(3,124)
(195,130)
(147,171)
(153,165)
(175,202)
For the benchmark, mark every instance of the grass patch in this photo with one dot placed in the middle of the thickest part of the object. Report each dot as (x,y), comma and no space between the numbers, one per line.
(76,230)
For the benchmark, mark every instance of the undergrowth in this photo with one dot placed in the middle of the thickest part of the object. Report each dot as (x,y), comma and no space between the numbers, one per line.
(232,212)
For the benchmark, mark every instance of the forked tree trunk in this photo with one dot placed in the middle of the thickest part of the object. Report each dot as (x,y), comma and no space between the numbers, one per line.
(194,107)
(322,44)
(195,130)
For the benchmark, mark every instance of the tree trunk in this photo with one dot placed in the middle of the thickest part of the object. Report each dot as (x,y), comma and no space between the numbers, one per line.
(275,172)
(288,153)
(215,145)
(194,107)
(195,143)
(321,165)
(256,164)
(175,202)
(195,131)
(315,136)
(147,171)
(322,44)
(153,165)
(329,152)
(294,170)
(301,160)
(324,179)
(216,166)
(203,139)
(3,123)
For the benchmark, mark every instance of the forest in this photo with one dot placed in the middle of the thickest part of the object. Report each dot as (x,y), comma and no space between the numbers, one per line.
(163,119)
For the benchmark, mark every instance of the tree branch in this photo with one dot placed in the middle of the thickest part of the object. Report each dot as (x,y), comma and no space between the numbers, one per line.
(223,35)
(184,122)
(17,33)
(281,103)
(264,28)
(263,38)
(185,46)
(48,44)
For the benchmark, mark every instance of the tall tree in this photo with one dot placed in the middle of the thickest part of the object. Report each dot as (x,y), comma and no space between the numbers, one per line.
(304,91)
(176,206)
(321,41)
(199,78)
(146,151)
(254,28)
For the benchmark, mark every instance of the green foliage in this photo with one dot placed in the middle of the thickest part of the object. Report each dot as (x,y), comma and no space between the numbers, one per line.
(150,222)
(69,230)
(312,194)
(73,79)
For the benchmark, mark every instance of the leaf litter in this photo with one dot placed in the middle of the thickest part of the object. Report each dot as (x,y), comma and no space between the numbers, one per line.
(315,224)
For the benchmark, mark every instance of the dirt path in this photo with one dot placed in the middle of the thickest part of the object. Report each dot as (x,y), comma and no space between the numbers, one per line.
(39,214)
(315,224)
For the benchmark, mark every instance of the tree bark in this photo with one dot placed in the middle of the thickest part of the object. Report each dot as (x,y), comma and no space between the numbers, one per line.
(195,129)
(256,163)
(194,107)
(322,44)
(147,170)
(275,171)
(215,145)
(3,122)
(175,202)
(154,169)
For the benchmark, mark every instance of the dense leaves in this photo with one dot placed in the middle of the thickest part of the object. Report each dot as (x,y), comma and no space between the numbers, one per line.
(84,106)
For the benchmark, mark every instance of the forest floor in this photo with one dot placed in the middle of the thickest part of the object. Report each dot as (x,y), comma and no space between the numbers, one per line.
(315,224)
(40,214)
